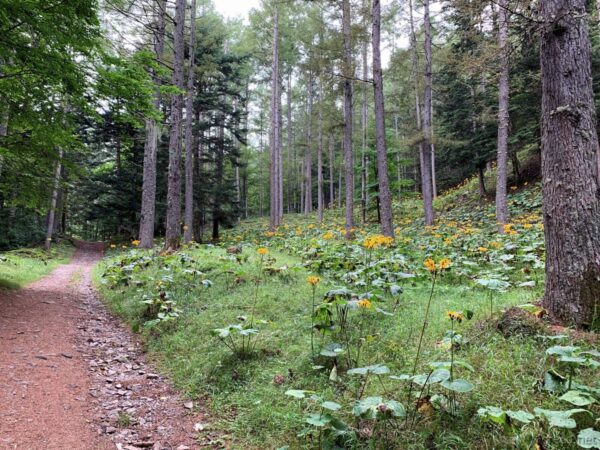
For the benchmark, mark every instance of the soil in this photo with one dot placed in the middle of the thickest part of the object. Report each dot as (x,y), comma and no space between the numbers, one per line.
(73,377)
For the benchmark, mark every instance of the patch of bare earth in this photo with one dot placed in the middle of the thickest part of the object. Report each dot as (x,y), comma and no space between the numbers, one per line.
(72,377)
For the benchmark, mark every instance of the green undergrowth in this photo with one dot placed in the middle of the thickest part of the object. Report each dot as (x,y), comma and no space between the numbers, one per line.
(22,266)
(433,340)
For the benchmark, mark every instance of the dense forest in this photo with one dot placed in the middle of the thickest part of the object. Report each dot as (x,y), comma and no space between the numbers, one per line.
(368,142)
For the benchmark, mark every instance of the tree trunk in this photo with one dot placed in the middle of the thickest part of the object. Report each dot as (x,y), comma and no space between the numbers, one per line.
(348,74)
(53,200)
(173,229)
(290,139)
(481,182)
(308,157)
(331,164)
(426,179)
(385,196)
(148,208)
(188,223)
(320,158)
(503,118)
(274,217)
(571,191)
(364,170)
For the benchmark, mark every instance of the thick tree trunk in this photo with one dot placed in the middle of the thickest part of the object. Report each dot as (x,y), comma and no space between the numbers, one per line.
(348,75)
(426,179)
(53,200)
(173,229)
(481,182)
(188,223)
(571,191)
(503,118)
(385,196)
(146,233)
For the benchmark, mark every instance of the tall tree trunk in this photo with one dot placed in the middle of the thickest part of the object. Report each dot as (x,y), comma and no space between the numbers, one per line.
(331,164)
(173,230)
(416,86)
(274,217)
(290,139)
(188,223)
(426,179)
(364,169)
(571,191)
(308,201)
(385,196)
(53,200)
(348,125)
(320,158)
(146,233)
(503,118)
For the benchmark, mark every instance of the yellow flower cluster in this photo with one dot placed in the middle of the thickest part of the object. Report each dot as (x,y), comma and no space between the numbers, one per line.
(269,234)
(431,265)
(455,315)
(312,280)
(262,251)
(508,229)
(378,240)
(328,235)
(482,249)
(364,303)
(135,243)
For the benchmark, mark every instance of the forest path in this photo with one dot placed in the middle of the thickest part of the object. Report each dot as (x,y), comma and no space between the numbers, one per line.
(73,378)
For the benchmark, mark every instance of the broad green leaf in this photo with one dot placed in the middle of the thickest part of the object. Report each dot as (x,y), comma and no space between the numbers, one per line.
(588,438)
(578,398)
(332,406)
(458,385)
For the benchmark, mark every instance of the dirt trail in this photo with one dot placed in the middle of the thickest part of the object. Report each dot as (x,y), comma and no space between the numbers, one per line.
(71,377)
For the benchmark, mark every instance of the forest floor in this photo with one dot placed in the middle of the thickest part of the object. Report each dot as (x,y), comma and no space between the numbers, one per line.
(71,377)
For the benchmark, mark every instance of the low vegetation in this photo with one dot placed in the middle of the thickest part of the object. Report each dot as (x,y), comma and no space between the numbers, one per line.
(20,267)
(297,339)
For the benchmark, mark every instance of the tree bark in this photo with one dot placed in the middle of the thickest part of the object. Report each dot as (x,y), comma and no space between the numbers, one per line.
(385,196)
(290,139)
(308,200)
(53,200)
(173,229)
(148,208)
(426,179)
(348,125)
(570,191)
(364,170)
(320,158)
(188,223)
(274,216)
(503,118)
(331,164)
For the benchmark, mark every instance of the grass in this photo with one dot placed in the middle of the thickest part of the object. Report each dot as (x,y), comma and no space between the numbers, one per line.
(252,408)
(21,267)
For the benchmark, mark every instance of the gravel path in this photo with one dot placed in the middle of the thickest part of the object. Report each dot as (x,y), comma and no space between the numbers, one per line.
(72,377)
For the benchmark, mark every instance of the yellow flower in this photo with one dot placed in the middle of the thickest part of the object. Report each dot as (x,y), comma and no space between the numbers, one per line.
(430,264)
(262,251)
(113,246)
(269,234)
(312,280)
(527,226)
(376,241)
(495,244)
(444,263)
(135,243)
(364,303)
(455,315)
(328,235)
(482,249)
